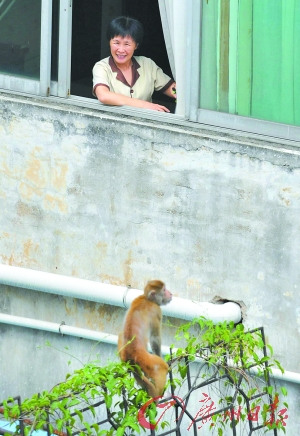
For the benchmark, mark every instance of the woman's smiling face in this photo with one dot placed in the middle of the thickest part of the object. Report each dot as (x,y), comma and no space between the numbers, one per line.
(122,50)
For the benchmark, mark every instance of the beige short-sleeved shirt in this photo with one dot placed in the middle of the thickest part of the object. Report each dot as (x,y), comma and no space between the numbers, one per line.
(147,78)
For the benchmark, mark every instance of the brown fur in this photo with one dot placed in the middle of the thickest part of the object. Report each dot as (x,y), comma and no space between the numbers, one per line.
(143,323)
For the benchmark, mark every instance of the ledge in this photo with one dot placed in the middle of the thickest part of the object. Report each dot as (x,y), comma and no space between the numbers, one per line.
(190,135)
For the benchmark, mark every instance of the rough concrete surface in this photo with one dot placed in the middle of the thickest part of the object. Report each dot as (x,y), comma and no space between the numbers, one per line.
(120,200)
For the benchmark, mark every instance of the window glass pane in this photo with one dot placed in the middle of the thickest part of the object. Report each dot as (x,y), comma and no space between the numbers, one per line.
(250,58)
(54,45)
(20,25)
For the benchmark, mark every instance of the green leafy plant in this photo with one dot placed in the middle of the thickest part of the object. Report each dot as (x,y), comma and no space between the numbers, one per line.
(238,360)
(227,353)
(63,408)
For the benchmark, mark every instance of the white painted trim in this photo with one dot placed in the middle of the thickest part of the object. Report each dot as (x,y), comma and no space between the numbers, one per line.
(64,48)
(251,125)
(45,50)
(193,49)
(19,84)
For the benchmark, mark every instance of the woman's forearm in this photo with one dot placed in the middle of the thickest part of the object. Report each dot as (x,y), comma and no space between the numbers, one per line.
(105,96)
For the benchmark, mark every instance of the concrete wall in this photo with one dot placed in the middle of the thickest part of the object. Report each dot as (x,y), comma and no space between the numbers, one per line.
(120,200)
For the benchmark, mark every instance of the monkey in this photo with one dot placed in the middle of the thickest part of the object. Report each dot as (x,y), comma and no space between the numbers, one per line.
(143,323)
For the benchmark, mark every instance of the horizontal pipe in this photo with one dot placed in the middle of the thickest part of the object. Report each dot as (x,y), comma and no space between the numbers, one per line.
(121,296)
(107,338)
(62,328)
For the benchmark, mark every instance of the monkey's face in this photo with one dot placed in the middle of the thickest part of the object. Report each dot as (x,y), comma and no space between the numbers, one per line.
(160,297)
(167,296)
(156,291)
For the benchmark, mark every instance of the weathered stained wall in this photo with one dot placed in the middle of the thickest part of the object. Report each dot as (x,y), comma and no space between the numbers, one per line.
(120,200)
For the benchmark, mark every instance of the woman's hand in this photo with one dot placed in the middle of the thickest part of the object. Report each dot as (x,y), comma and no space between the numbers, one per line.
(171,91)
(155,107)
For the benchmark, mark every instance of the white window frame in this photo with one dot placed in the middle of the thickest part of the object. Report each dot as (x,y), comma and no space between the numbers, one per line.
(32,86)
(221,119)
(44,86)
(64,49)
(45,56)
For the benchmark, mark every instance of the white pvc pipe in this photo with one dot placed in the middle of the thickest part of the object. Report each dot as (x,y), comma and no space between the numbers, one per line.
(107,338)
(62,328)
(114,295)
(287,376)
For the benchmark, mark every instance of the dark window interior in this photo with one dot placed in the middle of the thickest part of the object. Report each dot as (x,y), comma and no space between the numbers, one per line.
(89,44)
(55,32)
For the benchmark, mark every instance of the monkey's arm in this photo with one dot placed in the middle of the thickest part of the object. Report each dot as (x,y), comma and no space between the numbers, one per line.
(155,339)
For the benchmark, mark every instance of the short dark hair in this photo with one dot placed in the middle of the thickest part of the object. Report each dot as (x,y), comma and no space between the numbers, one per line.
(125,26)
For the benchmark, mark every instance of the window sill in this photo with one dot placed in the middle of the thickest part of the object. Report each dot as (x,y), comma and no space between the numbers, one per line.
(269,129)
(219,137)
